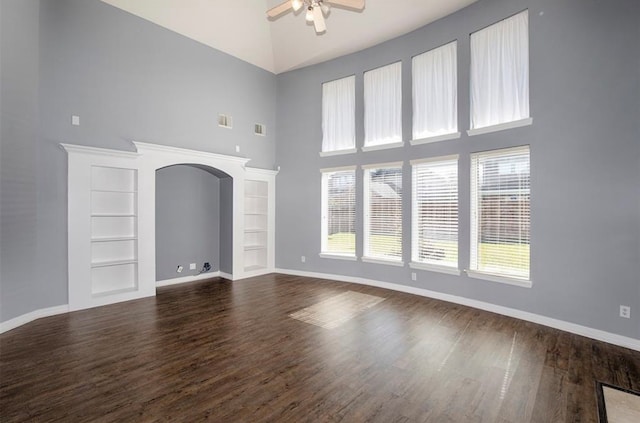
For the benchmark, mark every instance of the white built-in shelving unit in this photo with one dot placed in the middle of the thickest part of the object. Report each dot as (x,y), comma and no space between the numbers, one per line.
(256,213)
(114,224)
(111,218)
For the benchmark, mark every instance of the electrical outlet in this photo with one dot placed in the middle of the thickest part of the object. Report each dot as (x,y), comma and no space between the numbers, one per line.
(179,269)
(192,266)
(206,267)
(413,276)
(237,148)
(303,259)
(625,311)
(75,120)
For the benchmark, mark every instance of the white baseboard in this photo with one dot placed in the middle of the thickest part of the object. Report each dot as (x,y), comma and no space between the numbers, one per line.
(226,275)
(600,335)
(31,316)
(186,279)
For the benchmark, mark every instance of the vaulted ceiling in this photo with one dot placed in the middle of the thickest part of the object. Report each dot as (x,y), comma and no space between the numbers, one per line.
(241,28)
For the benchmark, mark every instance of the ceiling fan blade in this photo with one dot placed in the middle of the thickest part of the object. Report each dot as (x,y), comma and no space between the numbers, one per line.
(318,20)
(349,4)
(278,10)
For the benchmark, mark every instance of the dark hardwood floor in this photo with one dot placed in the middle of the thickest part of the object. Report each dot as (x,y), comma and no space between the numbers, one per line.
(229,352)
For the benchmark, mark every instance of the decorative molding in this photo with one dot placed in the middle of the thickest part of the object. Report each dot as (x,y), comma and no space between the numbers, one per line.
(225,275)
(258,171)
(597,334)
(72,148)
(142,146)
(187,279)
(31,316)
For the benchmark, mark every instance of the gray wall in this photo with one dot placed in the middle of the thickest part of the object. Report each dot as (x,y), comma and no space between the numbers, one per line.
(188,210)
(127,79)
(585,156)
(19,58)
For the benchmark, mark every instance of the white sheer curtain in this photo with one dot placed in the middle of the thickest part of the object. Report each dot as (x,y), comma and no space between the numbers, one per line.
(383,105)
(435,105)
(500,72)
(339,114)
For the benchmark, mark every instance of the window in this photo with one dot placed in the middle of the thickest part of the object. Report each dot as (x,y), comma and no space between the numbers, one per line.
(383,107)
(435,214)
(383,213)
(500,222)
(338,116)
(500,74)
(435,105)
(339,212)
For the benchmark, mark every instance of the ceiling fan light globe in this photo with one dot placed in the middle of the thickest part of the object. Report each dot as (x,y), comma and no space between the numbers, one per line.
(325,8)
(309,15)
(296,5)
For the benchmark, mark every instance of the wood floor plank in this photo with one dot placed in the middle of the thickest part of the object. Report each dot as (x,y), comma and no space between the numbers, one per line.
(228,351)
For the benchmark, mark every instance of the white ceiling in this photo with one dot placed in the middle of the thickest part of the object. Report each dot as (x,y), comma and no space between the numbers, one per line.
(241,28)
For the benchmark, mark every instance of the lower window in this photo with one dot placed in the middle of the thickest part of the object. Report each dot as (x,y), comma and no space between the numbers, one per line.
(500,212)
(339,212)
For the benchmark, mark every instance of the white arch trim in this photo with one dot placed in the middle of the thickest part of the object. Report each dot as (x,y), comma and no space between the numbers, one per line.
(155,157)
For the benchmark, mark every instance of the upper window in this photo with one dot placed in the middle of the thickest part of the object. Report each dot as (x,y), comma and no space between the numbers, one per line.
(383,212)
(383,106)
(339,212)
(435,213)
(435,106)
(500,213)
(500,73)
(338,115)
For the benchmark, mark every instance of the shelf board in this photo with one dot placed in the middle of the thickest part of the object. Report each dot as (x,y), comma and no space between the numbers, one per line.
(256,196)
(115,291)
(254,267)
(255,214)
(254,230)
(112,215)
(255,247)
(114,190)
(114,238)
(113,263)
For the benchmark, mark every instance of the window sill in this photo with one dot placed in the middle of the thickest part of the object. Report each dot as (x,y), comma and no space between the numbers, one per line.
(338,152)
(499,278)
(435,268)
(435,138)
(382,146)
(500,127)
(338,256)
(383,261)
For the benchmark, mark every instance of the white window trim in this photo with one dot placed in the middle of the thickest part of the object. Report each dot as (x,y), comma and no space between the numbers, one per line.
(383,261)
(338,152)
(524,283)
(500,127)
(382,165)
(395,144)
(336,256)
(434,159)
(323,201)
(365,235)
(436,138)
(435,268)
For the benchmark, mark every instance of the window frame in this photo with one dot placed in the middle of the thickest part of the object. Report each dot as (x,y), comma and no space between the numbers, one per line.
(507,124)
(324,213)
(352,148)
(416,238)
(475,231)
(397,140)
(415,94)
(366,256)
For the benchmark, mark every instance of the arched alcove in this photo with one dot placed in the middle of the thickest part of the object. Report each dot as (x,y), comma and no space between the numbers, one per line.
(194,217)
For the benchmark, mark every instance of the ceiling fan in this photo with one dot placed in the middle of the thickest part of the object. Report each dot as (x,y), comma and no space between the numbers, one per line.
(316,10)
